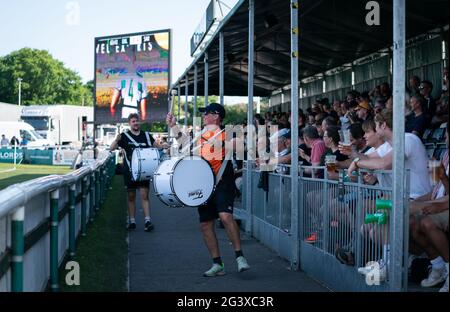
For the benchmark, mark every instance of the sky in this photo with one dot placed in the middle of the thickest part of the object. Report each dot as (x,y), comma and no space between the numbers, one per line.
(67,28)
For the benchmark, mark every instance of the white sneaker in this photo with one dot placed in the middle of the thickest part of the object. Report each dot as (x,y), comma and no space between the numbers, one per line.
(242,264)
(377,269)
(445,287)
(215,270)
(435,277)
(368,268)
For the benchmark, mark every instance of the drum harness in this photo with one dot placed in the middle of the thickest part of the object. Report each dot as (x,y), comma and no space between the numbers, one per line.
(224,162)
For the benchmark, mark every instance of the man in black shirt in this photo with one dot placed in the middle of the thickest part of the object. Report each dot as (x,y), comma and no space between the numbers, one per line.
(426,88)
(416,121)
(144,140)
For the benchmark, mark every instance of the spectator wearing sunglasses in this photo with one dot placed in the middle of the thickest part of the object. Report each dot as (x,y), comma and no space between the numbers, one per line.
(426,87)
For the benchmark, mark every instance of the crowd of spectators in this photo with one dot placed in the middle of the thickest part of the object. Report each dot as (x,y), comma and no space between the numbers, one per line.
(368,119)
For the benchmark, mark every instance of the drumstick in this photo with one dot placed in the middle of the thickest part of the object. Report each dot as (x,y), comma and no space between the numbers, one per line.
(173,93)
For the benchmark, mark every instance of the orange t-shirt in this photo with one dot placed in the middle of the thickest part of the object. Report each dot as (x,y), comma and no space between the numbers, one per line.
(214,151)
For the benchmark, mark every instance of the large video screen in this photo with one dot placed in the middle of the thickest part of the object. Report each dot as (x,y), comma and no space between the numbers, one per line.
(132,75)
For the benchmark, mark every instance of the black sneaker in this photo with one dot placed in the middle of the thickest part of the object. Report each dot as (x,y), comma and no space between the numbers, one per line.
(149,226)
(131,226)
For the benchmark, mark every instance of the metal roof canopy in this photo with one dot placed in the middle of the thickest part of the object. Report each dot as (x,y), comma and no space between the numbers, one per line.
(332,33)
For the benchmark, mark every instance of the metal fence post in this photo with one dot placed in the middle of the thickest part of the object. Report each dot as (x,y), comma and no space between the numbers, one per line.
(406,231)
(250,133)
(301,211)
(325,212)
(221,68)
(294,133)
(100,187)
(72,218)
(83,205)
(17,249)
(105,183)
(97,190)
(399,73)
(280,200)
(106,186)
(54,207)
(91,197)
(186,94)
(206,81)
(195,90)
(179,101)
(359,221)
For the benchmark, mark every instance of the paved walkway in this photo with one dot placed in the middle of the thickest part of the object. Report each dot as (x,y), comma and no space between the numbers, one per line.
(173,258)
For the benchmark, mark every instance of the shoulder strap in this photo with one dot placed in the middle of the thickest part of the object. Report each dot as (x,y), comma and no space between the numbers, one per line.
(222,168)
(148,139)
(131,139)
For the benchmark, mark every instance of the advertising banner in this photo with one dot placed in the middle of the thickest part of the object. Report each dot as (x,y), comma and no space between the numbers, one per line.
(7,155)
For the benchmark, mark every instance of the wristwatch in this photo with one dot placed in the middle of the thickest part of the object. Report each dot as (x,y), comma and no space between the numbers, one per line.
(356,161)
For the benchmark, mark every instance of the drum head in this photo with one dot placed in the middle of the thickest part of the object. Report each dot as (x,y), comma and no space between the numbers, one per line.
(193,181)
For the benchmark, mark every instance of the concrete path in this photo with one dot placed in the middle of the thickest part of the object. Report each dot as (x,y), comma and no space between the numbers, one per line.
(173,258)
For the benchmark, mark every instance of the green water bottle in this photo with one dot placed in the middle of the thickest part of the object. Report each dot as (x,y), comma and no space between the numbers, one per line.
(383,204)
(379,218)
(370,218)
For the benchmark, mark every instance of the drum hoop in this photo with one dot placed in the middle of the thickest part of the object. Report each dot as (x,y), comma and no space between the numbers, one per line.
(171,186)
(138,154)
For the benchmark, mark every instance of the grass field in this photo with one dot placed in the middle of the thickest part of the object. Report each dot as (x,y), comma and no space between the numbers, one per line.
(103,253)
(27,172)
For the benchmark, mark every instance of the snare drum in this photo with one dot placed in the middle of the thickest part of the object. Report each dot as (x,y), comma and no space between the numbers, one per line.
(144,162)
(184,181)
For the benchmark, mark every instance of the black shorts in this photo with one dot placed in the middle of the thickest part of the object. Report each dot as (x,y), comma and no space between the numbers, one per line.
(133,185)
(221,200)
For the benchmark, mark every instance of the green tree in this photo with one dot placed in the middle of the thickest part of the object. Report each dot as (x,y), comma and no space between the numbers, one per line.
(45,80)
(88,93)
(235,114)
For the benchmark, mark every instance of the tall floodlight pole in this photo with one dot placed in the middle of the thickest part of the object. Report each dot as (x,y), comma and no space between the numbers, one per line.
(20,90)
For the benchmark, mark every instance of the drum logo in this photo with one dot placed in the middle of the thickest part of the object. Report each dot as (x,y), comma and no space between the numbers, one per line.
(196,194)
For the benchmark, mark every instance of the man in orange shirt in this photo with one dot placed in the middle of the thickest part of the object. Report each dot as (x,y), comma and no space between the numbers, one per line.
(220,205)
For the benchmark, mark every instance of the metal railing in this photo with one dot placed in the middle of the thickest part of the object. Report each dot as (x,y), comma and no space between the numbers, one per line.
(332,218)
(41,219)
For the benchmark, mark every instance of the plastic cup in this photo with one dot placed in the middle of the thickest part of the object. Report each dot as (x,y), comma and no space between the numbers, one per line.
(433,169)
(345,137)
(330,163)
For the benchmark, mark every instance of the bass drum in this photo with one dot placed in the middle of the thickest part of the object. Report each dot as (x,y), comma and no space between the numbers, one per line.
(184,181)
(144,162)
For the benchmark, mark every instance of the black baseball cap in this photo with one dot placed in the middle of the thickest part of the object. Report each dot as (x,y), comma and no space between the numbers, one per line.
(213,108)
